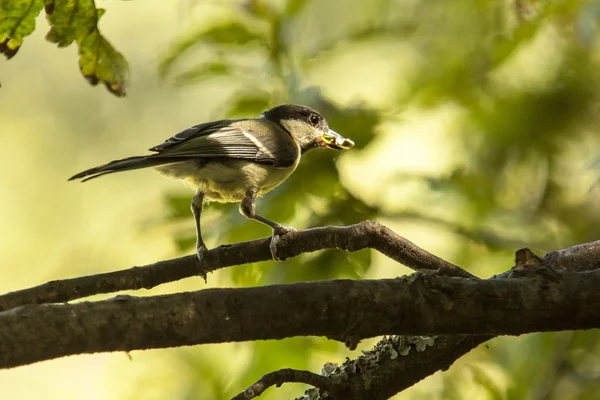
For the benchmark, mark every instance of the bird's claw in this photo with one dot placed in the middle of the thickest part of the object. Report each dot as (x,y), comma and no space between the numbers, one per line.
(200,250)
(277,233)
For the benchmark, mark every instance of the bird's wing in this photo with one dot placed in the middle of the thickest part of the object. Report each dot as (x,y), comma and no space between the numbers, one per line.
(270,144)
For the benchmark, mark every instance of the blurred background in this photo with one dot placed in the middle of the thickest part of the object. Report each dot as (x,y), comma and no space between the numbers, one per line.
(476,125)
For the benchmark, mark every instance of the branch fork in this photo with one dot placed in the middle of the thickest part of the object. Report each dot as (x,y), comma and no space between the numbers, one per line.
(539,294)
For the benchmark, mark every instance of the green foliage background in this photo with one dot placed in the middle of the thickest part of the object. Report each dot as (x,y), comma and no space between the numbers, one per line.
(476,128)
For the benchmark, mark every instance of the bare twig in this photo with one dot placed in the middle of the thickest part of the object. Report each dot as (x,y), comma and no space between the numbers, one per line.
(367,234)
(282,376)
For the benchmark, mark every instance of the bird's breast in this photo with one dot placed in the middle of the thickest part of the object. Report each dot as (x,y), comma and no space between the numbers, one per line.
(228,180)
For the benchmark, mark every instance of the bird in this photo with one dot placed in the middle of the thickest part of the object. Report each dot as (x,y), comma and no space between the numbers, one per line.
(235,160)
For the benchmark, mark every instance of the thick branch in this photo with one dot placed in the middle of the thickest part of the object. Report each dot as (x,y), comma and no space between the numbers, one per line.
(367,234)
(446,350)
(421,304)
(386,370)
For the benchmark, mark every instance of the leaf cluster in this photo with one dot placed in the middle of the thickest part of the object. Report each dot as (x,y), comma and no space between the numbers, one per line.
(70,21)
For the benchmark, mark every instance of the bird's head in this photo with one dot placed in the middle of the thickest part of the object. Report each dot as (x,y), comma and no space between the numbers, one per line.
(308,128)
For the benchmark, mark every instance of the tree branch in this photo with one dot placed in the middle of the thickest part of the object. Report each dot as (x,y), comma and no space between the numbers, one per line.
(282,376)
(549,293)
(391,367)
(420,304)
(367,234)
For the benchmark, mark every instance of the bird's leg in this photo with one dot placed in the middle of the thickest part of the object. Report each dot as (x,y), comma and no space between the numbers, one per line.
(248,209)
(196,207)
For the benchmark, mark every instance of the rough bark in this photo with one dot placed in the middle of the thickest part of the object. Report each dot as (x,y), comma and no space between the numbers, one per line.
(426,304)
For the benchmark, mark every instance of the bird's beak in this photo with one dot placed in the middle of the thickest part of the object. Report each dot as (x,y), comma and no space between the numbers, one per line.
(334,140)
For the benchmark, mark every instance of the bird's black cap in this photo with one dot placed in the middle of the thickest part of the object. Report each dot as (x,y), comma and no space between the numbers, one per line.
(296,112)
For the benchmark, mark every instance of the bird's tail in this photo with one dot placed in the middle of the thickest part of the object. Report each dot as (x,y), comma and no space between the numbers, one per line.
(125,164)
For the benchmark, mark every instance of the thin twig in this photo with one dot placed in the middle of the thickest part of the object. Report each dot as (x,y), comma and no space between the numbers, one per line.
(367,234)
(282,376)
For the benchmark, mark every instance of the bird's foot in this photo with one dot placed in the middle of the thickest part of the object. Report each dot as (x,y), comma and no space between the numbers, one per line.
(200,250)
(277,233)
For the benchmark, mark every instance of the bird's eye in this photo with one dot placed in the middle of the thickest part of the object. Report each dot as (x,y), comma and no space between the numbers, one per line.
(314,119)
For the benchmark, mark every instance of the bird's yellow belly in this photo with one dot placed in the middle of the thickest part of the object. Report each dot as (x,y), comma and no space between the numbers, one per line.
(230,180)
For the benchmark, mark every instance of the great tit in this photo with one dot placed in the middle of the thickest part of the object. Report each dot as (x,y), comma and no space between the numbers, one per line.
(236,160)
